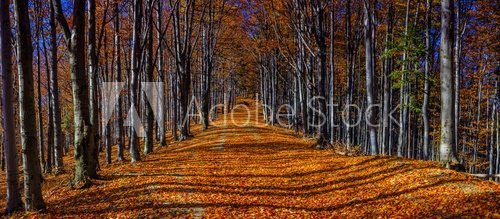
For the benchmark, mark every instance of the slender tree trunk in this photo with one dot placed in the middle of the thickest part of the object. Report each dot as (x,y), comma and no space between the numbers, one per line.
(458,70)
(41,145)
(161,73)
(370,72)
(93,161)
(175,109)
(207,52)
(427,66)
(494,128)
(386,130)
(350,76)
(31,163)
(50,128)
(54,87)
(104,99)
(14,202)
(118,72)
(403,116)
(447,153)
(134,83)
(332,75)
(149,120)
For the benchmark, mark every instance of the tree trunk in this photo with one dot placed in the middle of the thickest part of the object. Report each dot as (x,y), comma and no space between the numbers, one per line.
(403,115)
(332,75)
(31,163)
(93,150)
(427,66)
(84,136)
(134,83)
(14,202)
(447,153)
(318,8)
(149,121)
(207,65)
(386,130)
(350,76)
(182,52)
(370,72)
(494,128)
(161,73)
(458,71)
(118,72)
(41,146)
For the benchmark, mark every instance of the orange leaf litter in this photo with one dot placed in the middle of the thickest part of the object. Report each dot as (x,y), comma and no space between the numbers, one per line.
(259,171)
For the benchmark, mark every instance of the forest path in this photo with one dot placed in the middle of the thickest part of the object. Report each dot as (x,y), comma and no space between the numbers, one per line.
(262,171)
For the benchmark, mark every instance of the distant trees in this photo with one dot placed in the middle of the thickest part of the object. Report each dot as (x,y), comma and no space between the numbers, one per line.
(401,59)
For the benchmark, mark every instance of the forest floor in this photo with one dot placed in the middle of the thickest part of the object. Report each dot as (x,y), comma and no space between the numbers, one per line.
(257,171)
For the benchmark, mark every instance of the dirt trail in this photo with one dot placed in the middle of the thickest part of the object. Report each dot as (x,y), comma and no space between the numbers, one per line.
(261,171)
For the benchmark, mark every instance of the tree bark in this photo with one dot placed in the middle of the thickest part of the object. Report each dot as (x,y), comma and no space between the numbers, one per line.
(54,87)
(118,72)
(31,163)
(403,115)
(84,136)
(41,145)
(388,67)
(14,202)
(93,150)
(427,66)
(350,75)
(332,74)
(134,78)
(370,72)
(149,120)
(161,73)
(318,8)
(458,71)
(447,153)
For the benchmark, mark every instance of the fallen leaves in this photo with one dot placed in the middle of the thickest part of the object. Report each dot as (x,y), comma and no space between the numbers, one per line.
(266,172)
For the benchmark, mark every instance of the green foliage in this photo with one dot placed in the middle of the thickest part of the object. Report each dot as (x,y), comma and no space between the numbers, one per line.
(66,121)
(413,47)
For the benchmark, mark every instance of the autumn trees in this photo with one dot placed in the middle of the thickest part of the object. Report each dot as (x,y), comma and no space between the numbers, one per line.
(390,102)
(361,76)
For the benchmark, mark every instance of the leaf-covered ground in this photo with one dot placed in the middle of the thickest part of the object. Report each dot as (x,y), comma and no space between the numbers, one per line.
(256,171)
